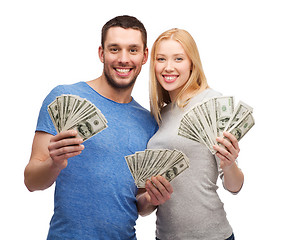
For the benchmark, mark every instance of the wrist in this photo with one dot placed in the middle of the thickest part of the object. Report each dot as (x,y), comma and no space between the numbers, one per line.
(56,167)
(230,168)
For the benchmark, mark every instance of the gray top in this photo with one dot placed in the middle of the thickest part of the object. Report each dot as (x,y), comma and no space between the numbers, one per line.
(195,210)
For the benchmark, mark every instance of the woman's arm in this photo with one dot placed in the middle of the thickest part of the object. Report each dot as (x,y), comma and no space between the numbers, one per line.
(233,176)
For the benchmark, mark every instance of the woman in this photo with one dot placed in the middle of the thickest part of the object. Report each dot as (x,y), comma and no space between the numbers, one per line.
(188,208)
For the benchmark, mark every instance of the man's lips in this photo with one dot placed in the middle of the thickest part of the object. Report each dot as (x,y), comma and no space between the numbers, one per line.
(170,78)
(123,71)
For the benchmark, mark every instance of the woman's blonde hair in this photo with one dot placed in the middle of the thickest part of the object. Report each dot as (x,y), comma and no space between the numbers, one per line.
(196,83)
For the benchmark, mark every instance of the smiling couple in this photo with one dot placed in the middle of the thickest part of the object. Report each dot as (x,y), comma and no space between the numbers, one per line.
(95,194)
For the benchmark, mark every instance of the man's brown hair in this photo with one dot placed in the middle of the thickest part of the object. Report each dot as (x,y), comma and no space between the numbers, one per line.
(125,22)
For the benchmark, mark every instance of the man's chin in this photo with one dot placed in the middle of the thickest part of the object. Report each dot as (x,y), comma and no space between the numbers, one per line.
(120,85)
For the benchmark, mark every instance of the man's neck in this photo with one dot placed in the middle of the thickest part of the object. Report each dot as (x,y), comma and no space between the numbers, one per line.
(103,88)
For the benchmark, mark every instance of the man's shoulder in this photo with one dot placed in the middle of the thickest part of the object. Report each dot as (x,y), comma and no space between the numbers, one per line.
(147,120)
(142,111)
(67,87)
(73,88)
(137,106)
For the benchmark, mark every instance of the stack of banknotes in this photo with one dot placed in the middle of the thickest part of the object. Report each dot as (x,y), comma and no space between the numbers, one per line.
(152,162)
(73,112)
(208,120)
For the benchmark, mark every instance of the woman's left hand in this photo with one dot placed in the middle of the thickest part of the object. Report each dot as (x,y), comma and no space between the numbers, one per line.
(229,154)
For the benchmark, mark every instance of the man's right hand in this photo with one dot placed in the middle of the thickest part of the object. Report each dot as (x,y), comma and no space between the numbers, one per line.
(63,146)
(49,156)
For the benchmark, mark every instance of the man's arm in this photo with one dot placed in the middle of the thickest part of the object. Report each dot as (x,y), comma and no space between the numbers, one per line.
(49,156)
(155,193)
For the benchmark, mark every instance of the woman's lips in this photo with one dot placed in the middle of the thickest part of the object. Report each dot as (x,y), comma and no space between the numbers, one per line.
(170,78)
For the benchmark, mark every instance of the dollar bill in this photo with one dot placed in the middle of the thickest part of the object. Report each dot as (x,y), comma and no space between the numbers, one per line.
(241,110)
(208,120)
(224,107)
(176,169)
(152,162)
(241,127)
(73,112)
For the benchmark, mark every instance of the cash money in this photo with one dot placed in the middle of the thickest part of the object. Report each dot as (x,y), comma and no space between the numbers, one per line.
(152,162)
(208,120)
(73,112)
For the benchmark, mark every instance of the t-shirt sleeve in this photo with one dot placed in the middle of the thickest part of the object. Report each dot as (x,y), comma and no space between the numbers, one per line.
(44,122)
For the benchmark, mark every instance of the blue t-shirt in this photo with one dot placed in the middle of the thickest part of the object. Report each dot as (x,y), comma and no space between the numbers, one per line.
(95,195)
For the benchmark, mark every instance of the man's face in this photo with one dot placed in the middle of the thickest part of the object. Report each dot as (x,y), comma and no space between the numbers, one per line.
(123,56)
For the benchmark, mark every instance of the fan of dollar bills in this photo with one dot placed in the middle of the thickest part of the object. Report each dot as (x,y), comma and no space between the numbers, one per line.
(152,162)
(209,119)
(73,112)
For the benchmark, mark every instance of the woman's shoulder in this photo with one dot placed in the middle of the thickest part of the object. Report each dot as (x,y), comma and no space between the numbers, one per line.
(202,96)
(208,93)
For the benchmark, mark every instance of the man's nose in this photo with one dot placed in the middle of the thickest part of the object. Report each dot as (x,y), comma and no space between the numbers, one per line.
(124,57)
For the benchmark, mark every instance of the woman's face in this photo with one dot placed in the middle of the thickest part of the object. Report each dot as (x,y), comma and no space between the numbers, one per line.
(172,66)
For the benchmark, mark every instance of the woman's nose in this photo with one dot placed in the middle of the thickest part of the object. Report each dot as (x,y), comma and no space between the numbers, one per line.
(169,66)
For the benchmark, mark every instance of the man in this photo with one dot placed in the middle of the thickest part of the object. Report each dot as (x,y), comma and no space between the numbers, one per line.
(95,192)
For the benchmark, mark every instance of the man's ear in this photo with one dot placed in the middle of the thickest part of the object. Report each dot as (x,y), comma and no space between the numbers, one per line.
(146,53)
(101,53)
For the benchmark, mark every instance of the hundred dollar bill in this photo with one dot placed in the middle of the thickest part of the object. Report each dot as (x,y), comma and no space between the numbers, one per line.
(240,128)
(208,120)
(175,170)
(224,107)
(241,110)
(152,162)
(54,115)
(73,112)
(89,126)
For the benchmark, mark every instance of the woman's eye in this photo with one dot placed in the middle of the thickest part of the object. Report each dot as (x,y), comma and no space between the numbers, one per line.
(160,59)
(179,59)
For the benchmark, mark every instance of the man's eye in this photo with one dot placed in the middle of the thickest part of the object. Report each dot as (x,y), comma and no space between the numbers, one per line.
(113,49)
(133,50)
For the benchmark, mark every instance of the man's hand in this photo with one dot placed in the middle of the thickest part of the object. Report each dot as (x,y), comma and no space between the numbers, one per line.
(63,146)
(49,156)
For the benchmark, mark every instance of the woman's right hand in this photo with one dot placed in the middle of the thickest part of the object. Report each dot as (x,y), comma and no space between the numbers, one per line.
(159,190)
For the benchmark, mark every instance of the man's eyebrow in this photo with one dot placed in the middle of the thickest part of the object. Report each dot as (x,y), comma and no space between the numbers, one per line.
(112,45)
(117,45)
(135,45)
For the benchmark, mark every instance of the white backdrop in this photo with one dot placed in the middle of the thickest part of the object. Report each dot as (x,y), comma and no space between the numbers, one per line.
(46,43)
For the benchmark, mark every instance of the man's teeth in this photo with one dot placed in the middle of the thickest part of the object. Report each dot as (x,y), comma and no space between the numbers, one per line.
(123,70)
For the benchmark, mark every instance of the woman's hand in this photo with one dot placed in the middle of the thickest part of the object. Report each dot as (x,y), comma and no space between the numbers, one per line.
(229,154)
(158,190)
(233,176)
